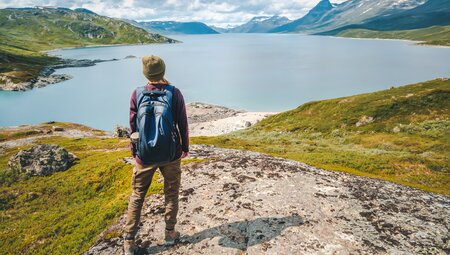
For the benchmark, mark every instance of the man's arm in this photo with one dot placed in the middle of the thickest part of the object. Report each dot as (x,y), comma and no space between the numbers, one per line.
(133,114)
(182,122)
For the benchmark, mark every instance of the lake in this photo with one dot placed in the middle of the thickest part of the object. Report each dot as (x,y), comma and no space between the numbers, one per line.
(255,72)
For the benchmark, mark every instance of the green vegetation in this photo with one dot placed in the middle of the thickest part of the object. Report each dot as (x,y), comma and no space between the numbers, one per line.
(41,129)
(24,33)
(65,212)
(400,135)
(436,35)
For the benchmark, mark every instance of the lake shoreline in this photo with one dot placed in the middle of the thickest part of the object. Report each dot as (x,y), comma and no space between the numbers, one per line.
(204,120)
(46,76)
(413,42)
(105,45)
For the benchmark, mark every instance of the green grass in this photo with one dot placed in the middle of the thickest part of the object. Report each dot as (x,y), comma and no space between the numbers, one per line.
(64,213)
(24,33)
(324,134)
(436,35)
(8,134)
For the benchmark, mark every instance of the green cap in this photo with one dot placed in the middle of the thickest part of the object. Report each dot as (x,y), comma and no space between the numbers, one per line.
(153,67)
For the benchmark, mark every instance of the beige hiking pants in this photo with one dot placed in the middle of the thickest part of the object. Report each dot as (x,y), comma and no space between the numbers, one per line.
(141,181)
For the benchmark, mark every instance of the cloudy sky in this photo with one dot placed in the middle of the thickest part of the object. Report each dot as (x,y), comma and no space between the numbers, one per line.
(212,12)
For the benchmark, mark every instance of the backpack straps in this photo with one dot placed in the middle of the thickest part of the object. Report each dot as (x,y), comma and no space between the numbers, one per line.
(170,89)
(140,93)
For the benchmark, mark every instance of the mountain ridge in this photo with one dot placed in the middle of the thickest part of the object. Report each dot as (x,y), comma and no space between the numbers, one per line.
(259,24)
(368,19)
(324,16)
(175,27)
(310,18)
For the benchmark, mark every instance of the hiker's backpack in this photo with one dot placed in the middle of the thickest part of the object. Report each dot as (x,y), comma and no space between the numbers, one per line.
(157,132)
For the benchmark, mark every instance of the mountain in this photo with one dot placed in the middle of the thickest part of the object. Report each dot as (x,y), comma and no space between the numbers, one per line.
(431,13)
(25,32)
(220,29)
(260,24)
(325,16)
(84,10)
(310,18)
(174,27)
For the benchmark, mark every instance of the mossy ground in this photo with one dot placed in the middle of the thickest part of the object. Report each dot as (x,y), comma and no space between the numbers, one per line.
(324,134)
(65,212)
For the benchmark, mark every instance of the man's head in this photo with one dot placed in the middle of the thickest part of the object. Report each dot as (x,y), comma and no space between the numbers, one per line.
(153,68)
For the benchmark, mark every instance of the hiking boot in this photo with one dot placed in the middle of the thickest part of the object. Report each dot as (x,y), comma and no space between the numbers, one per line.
(171,237)
(129,247)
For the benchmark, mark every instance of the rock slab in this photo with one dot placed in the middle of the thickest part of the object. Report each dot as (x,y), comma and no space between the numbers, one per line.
(240,202)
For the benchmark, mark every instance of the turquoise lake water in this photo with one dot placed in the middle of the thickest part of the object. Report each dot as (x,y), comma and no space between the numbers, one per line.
(256,72)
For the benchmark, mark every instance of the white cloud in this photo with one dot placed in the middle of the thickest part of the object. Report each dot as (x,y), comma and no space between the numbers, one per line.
(215,12)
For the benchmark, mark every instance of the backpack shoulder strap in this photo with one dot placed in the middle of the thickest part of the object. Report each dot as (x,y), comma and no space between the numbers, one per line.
(139,95)
(169,90)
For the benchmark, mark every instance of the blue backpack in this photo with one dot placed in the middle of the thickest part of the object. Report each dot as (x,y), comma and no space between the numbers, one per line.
(157,131)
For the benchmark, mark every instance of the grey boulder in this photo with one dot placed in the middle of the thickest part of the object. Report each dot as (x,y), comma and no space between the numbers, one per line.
(42,160)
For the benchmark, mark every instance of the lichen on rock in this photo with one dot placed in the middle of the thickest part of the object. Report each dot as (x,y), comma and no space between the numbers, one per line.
(42,160)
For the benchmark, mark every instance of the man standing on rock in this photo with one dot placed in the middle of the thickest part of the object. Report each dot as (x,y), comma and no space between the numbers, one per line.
(158,114)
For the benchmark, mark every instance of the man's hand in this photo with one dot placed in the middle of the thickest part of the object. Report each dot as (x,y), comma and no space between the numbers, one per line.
(185,154)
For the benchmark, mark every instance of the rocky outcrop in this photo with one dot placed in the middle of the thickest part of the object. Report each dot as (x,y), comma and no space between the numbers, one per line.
(41,81)
(364,120)
(240,202)
(201,112)
(120,131)
(42,160)
(226,125)
(46,76)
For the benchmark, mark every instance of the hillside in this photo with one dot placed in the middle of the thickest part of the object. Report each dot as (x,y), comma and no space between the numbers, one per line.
(426,22)
(325,16)
(312,17)
(436,35)
(431,13)
(173,27)
(401,135)
(25,32)
(358,18)
(251,201)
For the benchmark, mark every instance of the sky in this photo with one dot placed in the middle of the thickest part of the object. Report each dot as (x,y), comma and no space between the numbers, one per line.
(212,12)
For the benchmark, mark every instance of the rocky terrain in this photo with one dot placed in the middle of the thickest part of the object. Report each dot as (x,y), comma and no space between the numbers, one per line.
(240,202)
(211,120)
(42,160)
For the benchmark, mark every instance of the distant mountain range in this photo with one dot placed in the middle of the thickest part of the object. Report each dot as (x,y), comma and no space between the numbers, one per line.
(431,13)
(327,18)
(259,24)
(174,27)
